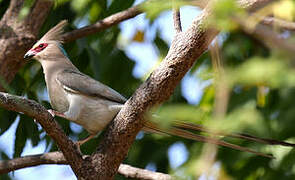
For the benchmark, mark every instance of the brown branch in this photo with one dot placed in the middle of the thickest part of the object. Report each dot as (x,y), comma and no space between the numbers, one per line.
(42,116)
(137,173)
(183,52)
(103,24)
(58,158)
(286,25)
(32,160)
(16,36)
(267,36)
(177,21)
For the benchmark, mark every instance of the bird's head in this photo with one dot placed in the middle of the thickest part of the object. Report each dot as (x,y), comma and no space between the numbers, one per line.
(49,46)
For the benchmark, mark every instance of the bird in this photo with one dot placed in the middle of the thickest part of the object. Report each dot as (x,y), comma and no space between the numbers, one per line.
(81,99)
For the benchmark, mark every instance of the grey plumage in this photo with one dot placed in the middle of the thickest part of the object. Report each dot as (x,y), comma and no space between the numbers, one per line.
(68,78)
(85,101)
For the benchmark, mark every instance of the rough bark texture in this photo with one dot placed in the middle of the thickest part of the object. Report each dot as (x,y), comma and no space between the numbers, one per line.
(156,89)
(17,36)
(30,161)
(42,116)
(185,49)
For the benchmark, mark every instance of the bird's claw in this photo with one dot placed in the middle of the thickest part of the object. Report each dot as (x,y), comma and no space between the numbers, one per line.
(51,112)
(78,144)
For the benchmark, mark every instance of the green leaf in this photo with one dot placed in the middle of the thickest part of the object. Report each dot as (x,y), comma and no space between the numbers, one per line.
(154,7)
(223,11)
(161,45)
(25,9)
(20,138)
(263,71)
(79,5)
(119,5)
(6,119)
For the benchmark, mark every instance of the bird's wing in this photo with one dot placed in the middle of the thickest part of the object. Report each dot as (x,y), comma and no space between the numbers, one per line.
(76,82)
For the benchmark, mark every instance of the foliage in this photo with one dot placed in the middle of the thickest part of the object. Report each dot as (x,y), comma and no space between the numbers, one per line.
(260,82)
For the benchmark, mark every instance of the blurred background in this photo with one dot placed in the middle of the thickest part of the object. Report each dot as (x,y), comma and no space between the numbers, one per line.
(243,83)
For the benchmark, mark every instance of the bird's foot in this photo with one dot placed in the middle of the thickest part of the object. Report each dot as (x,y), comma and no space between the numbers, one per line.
(80,142)
(51,111)
(78,146)
(56,113)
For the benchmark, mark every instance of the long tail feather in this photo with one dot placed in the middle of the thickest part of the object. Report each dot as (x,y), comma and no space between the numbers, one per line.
(191,126)
(150,127)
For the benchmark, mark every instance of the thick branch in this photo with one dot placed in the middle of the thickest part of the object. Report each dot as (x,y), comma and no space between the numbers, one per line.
(39,113)
(16,36)
(121,133)
(137,173)
(58,158)
(102,24)
(32,160)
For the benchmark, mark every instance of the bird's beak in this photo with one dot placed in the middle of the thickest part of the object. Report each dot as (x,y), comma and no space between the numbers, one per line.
(29,54)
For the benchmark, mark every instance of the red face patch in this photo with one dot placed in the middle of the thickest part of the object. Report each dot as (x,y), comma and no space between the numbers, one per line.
(40,47)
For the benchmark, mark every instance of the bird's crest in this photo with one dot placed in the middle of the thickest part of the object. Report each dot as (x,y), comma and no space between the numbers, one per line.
(55,33)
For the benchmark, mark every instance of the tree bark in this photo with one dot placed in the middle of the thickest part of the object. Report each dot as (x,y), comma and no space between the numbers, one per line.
(17,36)
(58,158)
(185,49)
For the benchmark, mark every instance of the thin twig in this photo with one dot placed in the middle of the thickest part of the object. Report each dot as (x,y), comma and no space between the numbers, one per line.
(176,20)
(264,34)
(58,158)
(282,24)
(102,24)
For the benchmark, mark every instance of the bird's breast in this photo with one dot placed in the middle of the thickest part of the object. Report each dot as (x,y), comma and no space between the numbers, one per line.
(57,97)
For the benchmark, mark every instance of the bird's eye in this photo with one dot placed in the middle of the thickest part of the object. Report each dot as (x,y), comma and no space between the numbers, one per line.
(40,47)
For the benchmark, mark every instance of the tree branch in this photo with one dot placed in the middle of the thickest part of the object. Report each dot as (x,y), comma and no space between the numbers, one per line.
(185,49)
(137,173)
(32,160)
(102,24)
(58,158)
(42,116)
(177,21)
(286,25)
(264,34)
(16,36)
